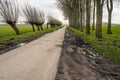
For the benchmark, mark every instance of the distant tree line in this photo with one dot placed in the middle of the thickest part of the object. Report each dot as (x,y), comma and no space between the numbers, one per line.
(81,12)
(10,12)
(53,21)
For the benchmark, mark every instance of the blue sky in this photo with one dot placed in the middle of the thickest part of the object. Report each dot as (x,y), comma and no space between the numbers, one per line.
(50,8)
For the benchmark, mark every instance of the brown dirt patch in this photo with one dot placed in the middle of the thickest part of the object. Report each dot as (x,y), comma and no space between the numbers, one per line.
(79,62)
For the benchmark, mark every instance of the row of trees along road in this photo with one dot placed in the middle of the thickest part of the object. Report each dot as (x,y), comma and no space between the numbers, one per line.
(53,21)
(9,13)
(78,12)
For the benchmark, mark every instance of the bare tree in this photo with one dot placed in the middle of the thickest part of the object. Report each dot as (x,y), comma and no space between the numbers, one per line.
(34,16)
(28,11)
(40,19)
(53,21)
(9,13)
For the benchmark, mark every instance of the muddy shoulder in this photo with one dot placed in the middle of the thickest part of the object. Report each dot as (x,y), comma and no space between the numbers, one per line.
(79,62)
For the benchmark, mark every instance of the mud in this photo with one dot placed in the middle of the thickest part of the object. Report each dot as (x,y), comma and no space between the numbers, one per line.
(79,62)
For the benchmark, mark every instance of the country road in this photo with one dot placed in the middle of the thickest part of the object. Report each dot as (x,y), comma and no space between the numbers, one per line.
(36,60)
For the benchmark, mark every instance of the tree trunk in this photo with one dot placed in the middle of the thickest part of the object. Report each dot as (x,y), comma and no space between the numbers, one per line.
(88,7)
(93,25)
(38,28)
(47,25)
(41,27)
(71,23)
(109,31)
(110,9)
(99,7)
(33,28)
(70,20)
(80,16)
(75,20)
(81,23)
(78,13)
(83,13)
(15,29)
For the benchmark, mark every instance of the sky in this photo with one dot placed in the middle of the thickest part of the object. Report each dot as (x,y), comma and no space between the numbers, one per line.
(50,8)
(115,14)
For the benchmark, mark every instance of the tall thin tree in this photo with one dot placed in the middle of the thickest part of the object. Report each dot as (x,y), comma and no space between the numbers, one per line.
(99,15)
(110,9)
(94,7)
(88,11)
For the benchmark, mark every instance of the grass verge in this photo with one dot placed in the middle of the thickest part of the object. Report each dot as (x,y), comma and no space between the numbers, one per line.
(109,45)
(8,37)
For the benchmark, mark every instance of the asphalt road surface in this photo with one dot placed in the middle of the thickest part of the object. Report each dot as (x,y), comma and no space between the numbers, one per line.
(36,60)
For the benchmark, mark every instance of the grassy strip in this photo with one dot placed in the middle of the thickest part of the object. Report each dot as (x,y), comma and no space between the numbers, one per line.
(7,31)
(109,45)
(10,38)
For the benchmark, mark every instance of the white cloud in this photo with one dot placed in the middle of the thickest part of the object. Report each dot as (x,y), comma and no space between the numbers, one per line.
(48,6)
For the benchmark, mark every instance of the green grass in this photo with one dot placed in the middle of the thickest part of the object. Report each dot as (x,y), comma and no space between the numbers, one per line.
(109,45)
(7,31)
(7,34)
